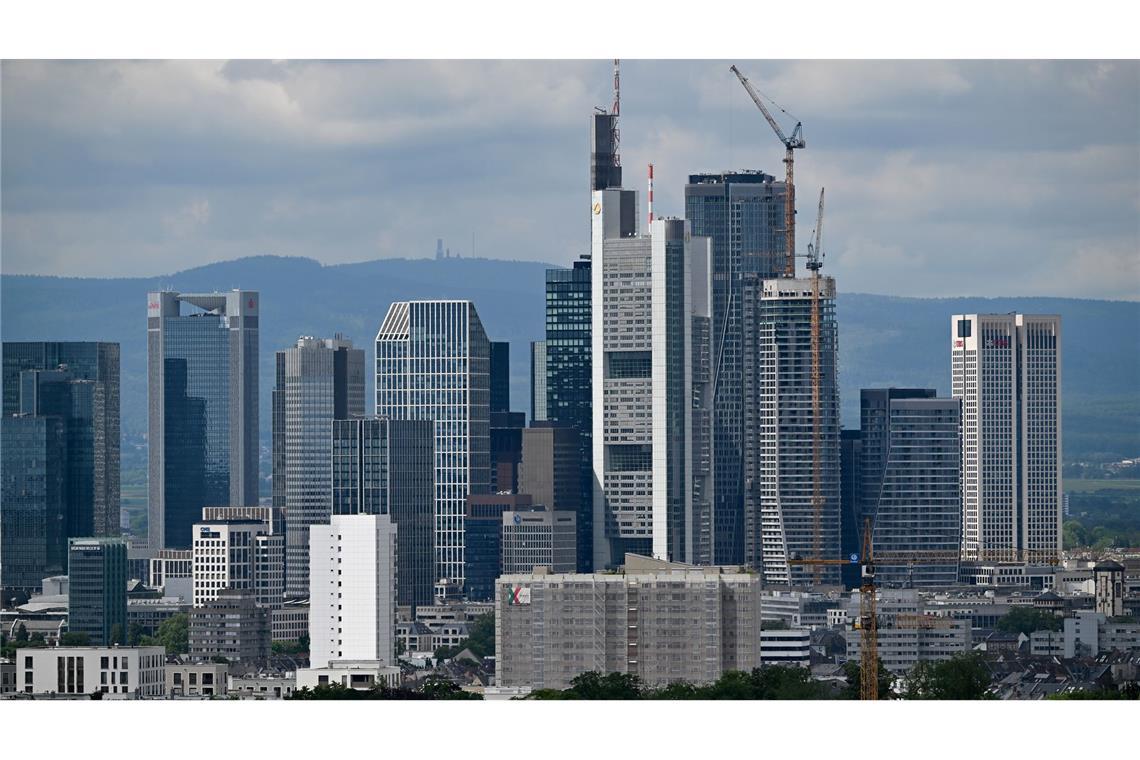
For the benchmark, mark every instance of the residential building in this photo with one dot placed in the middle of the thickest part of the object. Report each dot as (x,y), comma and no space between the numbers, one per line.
(432,363)
(202,396)
(1007,372)
(239,549)
(138,672)
(196,679)
(742,214)
(352,580)
(484,556)
(318,380)
(97,589)
(911,486)
(569,380)
(387,467)
(779,429)
(92,421)
(660,621)
(354,674)
(907,632)
(651,410)
(537,380)
(536,536)
(230,624)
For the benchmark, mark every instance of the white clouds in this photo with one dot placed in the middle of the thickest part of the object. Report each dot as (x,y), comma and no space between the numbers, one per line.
(940,175)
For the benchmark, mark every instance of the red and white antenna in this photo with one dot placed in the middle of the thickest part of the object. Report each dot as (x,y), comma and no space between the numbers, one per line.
(615,136)
(651,193)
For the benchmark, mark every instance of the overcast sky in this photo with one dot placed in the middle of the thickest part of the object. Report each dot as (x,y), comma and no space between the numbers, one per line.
(943,178)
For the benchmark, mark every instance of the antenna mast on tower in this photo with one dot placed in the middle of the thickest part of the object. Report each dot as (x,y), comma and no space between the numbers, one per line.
(616,111)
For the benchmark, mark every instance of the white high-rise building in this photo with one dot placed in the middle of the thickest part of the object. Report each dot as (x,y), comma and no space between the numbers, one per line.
(1007,371)
(239,548)
(651,387)
(352,590)
(433,363)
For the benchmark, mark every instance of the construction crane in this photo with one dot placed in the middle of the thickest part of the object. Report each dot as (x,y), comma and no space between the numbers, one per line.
(814,264)
(791,144)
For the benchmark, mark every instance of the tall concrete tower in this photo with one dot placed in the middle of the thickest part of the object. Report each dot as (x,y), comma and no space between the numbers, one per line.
(1007,372)
(202,397)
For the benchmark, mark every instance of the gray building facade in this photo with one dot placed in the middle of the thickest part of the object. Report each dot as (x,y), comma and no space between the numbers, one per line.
(202,397)
(319,380)
(231,625)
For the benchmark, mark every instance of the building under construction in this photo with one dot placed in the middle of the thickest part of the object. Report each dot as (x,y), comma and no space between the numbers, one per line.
(781,520)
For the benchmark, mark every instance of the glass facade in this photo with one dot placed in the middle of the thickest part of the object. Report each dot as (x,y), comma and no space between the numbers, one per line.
(386,467)
(202,408)
(433,363)
(568,381)
(742,213)
(97,589)
(33,542)
(500,376)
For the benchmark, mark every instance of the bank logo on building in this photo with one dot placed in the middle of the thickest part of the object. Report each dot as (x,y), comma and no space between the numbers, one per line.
(518,595)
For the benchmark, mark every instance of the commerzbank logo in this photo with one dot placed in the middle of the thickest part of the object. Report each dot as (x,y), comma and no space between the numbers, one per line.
(597,208)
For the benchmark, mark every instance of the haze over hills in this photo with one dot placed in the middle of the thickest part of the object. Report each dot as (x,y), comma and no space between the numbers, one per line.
(884,340)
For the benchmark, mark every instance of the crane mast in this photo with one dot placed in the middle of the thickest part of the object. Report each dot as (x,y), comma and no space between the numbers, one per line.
(814,263)
(791,144)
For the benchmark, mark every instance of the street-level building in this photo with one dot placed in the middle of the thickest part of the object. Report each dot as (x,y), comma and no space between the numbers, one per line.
(81,671)
(196,679)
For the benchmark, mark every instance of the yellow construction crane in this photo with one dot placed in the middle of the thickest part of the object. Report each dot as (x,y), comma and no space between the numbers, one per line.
(791,144)
(814,264)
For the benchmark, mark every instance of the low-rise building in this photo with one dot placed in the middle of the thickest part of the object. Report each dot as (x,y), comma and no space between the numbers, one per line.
(148,614)
(907,633)
(262,685)
(291,621)
(661,621)
(355,674)
(195,679)
(786,646)
(81,671)
(232,625)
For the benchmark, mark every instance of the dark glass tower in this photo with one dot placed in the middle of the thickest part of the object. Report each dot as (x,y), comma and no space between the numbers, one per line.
(86,398)
(851,534)
(387,467)
(569,381)
(33,538)
(500,376)
(97,589)
(742,212)
(202,368)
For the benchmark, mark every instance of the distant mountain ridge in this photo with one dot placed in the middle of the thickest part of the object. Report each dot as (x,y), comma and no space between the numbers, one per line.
(883,340)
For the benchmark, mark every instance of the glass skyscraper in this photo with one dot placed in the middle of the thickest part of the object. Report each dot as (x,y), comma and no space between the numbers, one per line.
(433,363)
(97,589)
(77,382)
(317,381)
(568,381)
(202,395)
(910,484)
(742,213)
(387,467)
(33,537)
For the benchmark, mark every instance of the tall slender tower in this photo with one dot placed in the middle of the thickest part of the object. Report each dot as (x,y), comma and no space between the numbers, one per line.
(317,381)
(1007,372)
(433,363)
(652,465)
(202,397)
(779,431)
(742,214)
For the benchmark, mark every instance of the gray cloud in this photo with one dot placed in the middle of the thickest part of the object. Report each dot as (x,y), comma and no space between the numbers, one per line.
(943,177)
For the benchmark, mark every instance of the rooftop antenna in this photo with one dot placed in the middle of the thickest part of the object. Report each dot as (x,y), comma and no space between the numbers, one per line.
(651,194)
(615,135)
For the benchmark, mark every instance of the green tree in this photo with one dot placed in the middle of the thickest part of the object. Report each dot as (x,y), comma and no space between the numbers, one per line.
(1027,620)
(854,675)
(174,633)
(21,633)
(75,639)
(964,676)
(117,633)
(37,640)
(481,640)
(134,634)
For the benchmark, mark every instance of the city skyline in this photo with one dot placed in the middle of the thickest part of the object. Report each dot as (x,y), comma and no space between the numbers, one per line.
(903,150)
